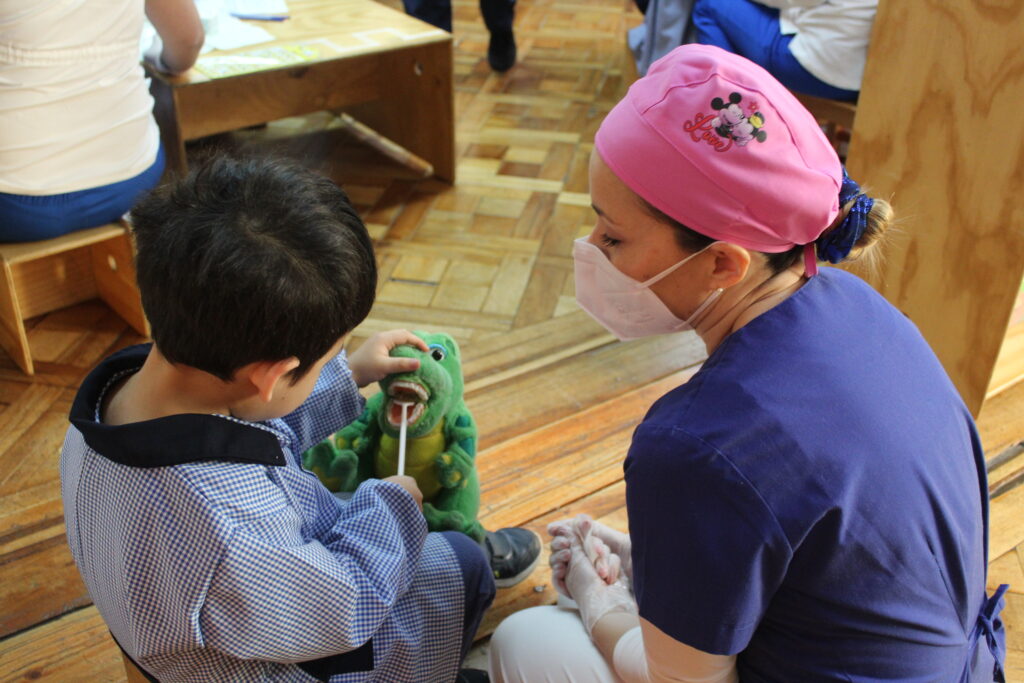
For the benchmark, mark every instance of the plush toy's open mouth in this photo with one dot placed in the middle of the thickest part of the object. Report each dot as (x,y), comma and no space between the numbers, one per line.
(402,391)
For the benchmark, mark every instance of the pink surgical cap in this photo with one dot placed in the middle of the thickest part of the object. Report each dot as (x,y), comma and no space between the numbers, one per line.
(715,142)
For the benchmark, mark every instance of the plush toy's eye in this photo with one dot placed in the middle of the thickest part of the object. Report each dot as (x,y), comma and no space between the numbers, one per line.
(437,352)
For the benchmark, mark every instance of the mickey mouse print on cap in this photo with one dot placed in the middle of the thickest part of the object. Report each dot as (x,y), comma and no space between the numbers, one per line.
(714,141)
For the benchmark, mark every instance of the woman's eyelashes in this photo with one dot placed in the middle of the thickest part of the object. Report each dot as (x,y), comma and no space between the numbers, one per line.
(608,241)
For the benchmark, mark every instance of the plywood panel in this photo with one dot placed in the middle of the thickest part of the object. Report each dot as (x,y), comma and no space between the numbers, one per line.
(930,133)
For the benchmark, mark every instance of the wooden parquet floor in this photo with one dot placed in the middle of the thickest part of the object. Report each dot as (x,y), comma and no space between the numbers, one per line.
(486,259)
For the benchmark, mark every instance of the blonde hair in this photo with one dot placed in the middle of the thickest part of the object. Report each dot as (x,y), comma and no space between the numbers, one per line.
(867,250)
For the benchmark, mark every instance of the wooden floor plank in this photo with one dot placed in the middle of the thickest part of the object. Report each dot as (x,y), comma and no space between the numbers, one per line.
(537,588)
(1007,568)
(514,406)
(74,648)
(1001,420)
(563,460)
(1006,522)
(39,582)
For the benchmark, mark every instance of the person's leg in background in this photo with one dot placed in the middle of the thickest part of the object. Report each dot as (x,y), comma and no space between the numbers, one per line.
(544,644)
(785,67)
(752,30)
(27,218)
(498,17)
(435,12)
(741,26)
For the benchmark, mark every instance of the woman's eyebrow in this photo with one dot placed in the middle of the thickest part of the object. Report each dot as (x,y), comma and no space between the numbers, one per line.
(601,213)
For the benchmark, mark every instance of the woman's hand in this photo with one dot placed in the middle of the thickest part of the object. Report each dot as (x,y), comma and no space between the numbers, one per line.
(371,361)
(609,550)
(594,597)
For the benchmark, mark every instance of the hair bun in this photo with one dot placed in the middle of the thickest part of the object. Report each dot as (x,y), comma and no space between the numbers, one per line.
(863,221)
(837,243)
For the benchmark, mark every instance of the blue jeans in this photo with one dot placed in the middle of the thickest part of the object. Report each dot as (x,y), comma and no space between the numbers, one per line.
(498,14)
(752,30)
(27,218)
(478,581)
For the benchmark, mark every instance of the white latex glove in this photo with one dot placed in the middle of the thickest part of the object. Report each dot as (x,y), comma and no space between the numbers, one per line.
(609,549)
(606,563)
(618,544)
(593,596)
(560,532)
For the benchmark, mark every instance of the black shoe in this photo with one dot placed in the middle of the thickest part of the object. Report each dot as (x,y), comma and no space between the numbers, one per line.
(513,553)
(501,52)
(473,676)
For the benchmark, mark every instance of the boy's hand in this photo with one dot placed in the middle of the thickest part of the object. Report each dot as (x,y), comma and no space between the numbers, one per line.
(409,484)
(371,362)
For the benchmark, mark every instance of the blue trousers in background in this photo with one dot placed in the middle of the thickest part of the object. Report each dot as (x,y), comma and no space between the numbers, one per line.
(27,218)
(498,14)
(752,30)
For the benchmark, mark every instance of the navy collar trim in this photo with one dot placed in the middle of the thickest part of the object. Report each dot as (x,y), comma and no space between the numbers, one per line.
(166,441)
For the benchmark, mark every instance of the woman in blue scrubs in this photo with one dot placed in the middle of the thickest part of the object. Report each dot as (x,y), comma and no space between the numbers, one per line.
(812,504)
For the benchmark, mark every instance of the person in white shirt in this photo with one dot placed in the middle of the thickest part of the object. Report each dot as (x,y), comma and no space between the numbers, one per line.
(78,142)
(815,47)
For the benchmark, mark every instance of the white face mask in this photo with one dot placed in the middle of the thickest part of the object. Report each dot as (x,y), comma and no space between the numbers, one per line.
(626,308)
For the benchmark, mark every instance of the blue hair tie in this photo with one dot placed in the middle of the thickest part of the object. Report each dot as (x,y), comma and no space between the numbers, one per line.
(836,245)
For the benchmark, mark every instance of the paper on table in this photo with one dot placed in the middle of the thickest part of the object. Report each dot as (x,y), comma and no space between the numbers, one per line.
(223,32)
(269,10)
(227,33)
(263,58)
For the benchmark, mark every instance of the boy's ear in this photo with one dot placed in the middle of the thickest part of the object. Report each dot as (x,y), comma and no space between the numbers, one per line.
(265,375)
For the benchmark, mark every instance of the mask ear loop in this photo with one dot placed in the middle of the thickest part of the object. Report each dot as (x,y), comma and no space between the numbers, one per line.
(707,302)
(671,269)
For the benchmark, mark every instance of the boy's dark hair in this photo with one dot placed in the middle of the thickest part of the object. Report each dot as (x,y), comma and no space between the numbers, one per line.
(251,259)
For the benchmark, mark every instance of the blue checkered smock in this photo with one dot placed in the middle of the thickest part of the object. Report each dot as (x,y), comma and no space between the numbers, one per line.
(212,554)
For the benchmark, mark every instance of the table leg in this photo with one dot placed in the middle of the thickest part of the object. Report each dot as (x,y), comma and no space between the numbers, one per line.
(165,111)
(415,108)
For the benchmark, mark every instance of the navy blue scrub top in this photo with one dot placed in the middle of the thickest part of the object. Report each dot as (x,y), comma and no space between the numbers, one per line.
(814,499)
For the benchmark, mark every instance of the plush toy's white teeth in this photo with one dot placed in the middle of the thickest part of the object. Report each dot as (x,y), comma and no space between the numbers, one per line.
(413,413)
(411,392)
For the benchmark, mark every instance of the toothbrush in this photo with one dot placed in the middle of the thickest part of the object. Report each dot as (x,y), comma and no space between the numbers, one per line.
(401,437)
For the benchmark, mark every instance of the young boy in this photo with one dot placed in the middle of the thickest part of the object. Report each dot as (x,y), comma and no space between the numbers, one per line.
(207,548)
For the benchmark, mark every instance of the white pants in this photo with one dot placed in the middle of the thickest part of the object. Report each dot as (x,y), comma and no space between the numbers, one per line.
(546,645)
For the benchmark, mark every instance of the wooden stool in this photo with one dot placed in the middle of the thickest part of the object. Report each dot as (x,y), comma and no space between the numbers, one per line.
(834,111)
(39,277)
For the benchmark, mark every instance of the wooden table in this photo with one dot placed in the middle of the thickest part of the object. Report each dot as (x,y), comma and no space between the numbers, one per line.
(388,70)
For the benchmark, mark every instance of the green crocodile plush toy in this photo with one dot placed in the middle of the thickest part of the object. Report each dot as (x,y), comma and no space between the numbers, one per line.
(440,439)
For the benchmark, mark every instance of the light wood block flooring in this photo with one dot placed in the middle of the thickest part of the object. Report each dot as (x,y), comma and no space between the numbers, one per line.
(486,259)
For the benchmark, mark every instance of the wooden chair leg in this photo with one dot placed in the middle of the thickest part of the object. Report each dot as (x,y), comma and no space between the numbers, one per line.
(114,269)
(13,338)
